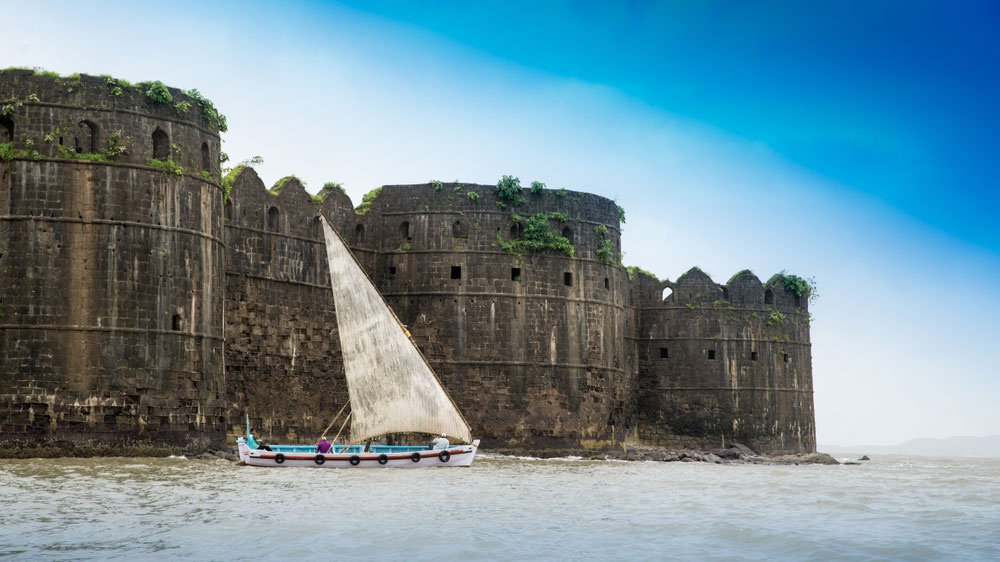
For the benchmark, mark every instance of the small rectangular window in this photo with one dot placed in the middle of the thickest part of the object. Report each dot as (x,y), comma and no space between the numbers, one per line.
(456,272)
(568,279)
(515,274)
(664,353)
(607,283)
(753,355)
(785,356)
(392,270)
(711,354)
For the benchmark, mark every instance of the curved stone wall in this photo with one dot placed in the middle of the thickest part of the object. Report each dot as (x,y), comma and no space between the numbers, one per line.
(725,363)
(111,305)
(530,347)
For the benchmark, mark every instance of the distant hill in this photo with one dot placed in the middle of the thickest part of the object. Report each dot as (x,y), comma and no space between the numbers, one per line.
(982,447)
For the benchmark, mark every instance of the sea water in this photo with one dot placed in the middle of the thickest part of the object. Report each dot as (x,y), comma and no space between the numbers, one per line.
(891,508)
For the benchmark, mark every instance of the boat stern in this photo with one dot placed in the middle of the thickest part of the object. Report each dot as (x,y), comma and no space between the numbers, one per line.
(243,449)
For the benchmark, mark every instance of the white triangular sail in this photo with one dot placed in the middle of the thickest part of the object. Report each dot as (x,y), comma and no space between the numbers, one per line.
(391,387)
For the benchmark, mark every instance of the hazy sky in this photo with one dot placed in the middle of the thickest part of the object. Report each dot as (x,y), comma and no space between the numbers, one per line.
(841,141)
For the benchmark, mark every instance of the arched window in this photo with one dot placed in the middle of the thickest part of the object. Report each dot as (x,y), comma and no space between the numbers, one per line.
(768,297)
(161,145)
(318,228)
(459,230)
(404,231)
(359,233)
(667,292)
(206,157)
(6,130)
(273,219)
(516,230)
(87,142)
(567,233)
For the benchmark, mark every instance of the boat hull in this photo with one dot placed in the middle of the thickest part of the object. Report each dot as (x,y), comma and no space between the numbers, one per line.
(459,455)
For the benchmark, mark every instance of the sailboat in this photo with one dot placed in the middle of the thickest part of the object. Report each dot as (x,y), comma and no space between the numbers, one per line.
(391,386)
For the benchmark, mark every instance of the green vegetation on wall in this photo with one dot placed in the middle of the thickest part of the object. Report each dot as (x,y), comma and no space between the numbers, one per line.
(635,270)
(509,191)
(228,179)
(606,252)
(800,287)
(209,112)
(539,236)
(283,181)
(366,201)
(167,165)
(158,92)
(621,213)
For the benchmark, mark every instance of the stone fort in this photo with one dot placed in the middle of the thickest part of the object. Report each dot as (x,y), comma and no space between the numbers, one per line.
(150,304)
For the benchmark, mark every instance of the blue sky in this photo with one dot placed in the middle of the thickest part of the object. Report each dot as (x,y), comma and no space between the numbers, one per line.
(843,141)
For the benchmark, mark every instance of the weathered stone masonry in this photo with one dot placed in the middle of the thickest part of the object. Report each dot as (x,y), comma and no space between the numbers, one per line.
(116,273)
(111,303)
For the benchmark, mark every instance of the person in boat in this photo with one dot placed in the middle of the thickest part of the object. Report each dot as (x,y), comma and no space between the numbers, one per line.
(255,442)
(439,443)
(323,446)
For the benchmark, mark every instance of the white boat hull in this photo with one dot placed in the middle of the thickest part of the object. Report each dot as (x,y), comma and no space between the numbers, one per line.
(459,455)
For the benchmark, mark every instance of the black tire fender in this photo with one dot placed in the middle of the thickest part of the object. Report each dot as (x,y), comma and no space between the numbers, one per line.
(355,460)
(320,459)
(445,456)
(415,457)
(279,458)
(382,459)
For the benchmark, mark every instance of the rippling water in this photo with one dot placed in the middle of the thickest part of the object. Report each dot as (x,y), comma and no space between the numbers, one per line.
(893,508)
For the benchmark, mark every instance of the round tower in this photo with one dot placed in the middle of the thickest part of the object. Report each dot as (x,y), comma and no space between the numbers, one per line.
(111,261)
(725,363)
(515,300)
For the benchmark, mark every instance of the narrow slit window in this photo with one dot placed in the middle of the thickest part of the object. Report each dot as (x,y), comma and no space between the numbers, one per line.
(456,272)
(607,283)
(177,324)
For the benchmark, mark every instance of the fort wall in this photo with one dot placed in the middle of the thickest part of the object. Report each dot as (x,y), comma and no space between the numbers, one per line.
(531,347)
(110,268)
(120,250)
(283,365)
(725,363)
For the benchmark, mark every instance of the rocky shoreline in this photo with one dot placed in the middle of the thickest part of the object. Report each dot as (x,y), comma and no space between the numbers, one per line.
(733,454)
